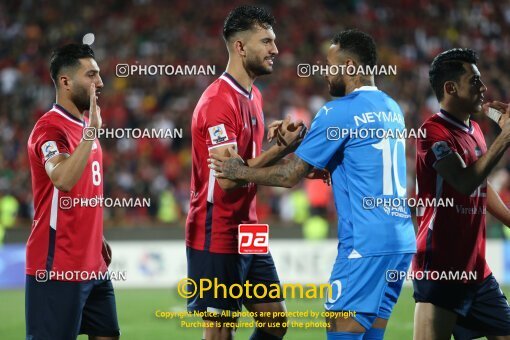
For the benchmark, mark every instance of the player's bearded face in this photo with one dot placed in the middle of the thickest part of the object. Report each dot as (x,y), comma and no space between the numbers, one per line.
(257,65)
(336,82)
(470,89)
(85,75)
(260,52)
(336,86)
(80,95)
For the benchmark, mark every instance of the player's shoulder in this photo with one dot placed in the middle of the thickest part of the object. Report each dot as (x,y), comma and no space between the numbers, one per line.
(49,120)
(371,95)
(256,92)
(435,126)
(361,97)
(476,126)
(217,93)
(349,103)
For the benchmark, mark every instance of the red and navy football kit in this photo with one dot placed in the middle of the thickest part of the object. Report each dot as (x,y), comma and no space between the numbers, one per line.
(226,114)
(64,247)
(451,239)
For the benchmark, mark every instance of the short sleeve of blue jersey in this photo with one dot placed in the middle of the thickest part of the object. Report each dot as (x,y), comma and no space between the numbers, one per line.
(325,137)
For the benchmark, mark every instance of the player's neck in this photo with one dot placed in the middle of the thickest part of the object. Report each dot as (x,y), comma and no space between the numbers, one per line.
(70,107)
(357,83)
(460,115)
(241,76)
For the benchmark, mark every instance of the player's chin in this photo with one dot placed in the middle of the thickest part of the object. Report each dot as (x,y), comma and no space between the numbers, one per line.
(268,70)
(477,107)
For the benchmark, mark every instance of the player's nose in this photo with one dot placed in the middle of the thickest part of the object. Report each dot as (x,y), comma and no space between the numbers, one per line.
(483,88)
(274,49)
(99,83)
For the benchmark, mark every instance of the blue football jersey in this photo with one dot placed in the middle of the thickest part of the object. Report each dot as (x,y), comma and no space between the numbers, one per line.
(358,139)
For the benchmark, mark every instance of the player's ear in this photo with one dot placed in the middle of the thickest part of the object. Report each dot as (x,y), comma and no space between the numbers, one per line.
(64,82)
(350,62)
(450,88)
(239,48)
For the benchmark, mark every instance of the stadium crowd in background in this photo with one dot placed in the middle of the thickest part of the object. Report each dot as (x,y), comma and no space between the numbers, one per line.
(189,33)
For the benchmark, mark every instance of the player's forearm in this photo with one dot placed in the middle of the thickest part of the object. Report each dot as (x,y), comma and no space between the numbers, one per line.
(267,158)
(496,206)
(67,173)
(475,174)
(287,175)
(227,184)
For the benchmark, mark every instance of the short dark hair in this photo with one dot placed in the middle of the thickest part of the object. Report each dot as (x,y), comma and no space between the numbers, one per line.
(359,43)
(244,18)
(448,66)
(68,56)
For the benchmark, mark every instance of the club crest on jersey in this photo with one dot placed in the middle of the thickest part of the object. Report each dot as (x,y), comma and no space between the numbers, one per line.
(478,152)
(218,134)
(49,149)
(441,149)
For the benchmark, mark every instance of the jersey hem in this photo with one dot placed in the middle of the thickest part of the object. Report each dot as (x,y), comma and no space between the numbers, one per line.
(408,251)
(219,250)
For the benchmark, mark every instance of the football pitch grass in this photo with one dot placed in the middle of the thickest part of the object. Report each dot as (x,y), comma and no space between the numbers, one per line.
(136,310)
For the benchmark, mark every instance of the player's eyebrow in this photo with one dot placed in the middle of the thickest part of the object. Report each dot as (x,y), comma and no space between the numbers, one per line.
(94,71)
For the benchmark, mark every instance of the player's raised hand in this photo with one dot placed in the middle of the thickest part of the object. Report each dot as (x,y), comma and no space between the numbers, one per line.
(272,131)
(290,134)
(226,166)
(95,119)
(503,108)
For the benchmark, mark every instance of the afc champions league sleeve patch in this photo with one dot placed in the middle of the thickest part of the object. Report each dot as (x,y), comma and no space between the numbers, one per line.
(218,134)
(441,150)
(49,149)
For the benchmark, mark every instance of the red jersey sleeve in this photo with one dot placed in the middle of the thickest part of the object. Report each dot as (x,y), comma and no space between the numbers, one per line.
(50,141)
(219,125)
(437,144)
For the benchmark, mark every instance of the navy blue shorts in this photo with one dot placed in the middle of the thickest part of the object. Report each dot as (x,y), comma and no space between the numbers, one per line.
(482,308)
(230,269)
(60,310)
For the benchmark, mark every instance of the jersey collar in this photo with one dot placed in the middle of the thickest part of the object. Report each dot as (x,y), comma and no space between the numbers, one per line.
(456,122)
(63,112)
(366,88)
(236,86)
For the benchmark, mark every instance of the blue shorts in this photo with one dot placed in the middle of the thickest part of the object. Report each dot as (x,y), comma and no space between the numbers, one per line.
(360,286)
(230,269)
(60,310)
(482,308)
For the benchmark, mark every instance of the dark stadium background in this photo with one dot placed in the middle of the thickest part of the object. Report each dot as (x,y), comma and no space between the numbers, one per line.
(408,34)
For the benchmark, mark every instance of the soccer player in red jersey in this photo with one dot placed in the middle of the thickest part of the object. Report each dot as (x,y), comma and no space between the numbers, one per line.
(66,245)
(454,289)
(229,113)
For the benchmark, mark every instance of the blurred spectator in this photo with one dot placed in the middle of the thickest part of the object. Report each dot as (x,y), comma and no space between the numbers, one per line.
(8,211)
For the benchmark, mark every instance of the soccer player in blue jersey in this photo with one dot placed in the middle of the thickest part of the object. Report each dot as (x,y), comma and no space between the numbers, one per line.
(374,241)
